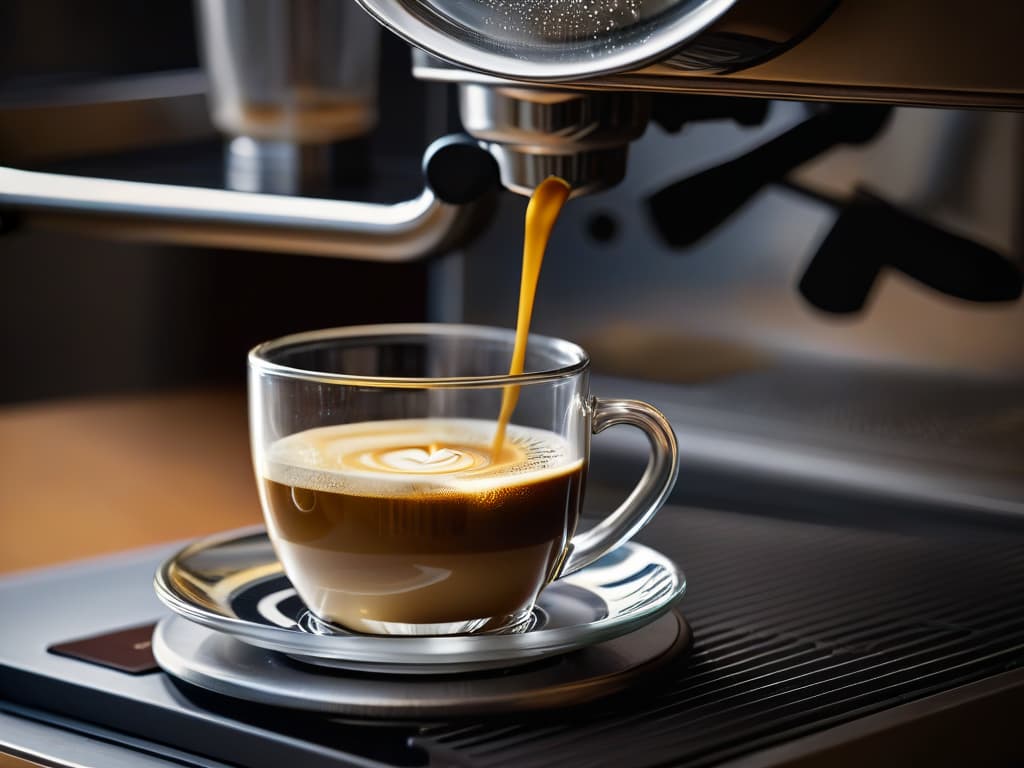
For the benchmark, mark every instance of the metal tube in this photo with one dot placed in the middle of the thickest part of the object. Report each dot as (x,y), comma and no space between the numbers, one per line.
(404,231)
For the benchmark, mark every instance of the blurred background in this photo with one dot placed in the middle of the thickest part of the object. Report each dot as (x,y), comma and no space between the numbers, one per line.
(116,90)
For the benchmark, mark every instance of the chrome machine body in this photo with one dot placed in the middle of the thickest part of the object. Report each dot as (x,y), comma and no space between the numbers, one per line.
(693,282)
(913,52)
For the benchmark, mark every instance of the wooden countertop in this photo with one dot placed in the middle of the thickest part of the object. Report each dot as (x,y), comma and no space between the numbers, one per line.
(90,477)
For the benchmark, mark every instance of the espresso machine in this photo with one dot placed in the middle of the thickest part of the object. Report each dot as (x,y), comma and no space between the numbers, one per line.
(795,228)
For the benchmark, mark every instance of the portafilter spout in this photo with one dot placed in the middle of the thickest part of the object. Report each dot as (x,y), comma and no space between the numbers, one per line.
(532,133)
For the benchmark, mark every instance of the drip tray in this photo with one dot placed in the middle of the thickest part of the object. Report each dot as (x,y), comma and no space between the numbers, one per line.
(222,664)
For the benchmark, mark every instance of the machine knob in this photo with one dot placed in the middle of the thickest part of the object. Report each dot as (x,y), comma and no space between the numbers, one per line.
(459,171)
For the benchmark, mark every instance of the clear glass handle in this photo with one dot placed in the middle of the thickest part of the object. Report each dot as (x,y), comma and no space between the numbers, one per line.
(649,494)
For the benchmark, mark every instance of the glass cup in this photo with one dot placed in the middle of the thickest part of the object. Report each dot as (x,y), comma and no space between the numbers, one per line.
(290,70)
(387,500)
(288,80)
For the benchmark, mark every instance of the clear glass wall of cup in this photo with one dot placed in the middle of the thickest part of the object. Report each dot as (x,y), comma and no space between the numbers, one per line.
(385,498)
(288,79)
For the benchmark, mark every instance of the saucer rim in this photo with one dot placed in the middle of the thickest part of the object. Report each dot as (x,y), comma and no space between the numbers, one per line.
(411,650)
(373,696)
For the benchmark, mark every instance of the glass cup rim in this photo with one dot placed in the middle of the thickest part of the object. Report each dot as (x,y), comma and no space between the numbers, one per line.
(259,361)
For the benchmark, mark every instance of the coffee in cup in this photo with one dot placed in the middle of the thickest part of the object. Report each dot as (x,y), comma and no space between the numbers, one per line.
(414,521)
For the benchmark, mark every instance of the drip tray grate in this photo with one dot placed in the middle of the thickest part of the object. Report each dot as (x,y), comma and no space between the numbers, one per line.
(798,626)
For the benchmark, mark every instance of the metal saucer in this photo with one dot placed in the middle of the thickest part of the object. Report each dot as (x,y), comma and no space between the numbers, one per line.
(234,584)
(220,663)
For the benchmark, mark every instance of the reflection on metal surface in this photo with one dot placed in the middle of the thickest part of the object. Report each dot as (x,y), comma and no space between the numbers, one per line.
(398,232)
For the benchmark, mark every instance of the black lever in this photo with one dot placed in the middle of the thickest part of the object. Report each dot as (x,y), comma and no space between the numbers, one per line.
(870,235)
(688,210)
(459,171)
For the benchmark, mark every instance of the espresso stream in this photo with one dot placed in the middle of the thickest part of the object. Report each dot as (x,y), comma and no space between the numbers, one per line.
(541,214)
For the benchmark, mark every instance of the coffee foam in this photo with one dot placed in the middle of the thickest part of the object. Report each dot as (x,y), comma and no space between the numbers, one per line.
(416,456)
